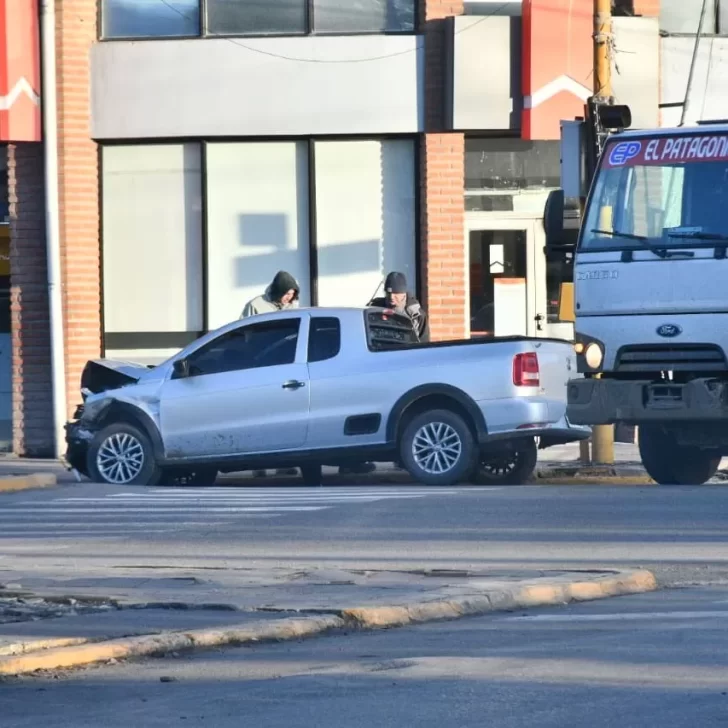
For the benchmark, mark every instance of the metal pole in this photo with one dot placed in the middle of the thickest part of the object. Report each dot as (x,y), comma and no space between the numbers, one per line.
(693,61)
(603,435)
(53,235)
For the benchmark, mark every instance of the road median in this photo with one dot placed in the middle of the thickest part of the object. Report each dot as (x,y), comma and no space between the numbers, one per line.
(77,650)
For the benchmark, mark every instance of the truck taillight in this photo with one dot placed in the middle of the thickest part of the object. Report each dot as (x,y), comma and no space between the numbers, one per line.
(525,370)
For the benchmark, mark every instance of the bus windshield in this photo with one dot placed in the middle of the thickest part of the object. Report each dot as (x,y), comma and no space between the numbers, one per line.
(660,192)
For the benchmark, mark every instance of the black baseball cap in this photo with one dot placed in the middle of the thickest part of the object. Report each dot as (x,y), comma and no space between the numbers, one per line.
(395,283)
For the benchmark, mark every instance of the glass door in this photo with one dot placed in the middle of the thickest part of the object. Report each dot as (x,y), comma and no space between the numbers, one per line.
(507,277)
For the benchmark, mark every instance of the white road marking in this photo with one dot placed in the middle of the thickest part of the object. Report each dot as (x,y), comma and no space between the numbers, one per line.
(619,617)
(160,510)
(31,512)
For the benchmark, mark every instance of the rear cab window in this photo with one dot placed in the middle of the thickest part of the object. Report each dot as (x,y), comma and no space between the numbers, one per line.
(387,330)
(324,338)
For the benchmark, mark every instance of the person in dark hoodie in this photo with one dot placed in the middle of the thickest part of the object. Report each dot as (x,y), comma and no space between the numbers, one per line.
(397,297)
(281,294)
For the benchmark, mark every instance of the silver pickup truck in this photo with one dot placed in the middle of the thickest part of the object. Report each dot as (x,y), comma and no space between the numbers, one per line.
(314,387)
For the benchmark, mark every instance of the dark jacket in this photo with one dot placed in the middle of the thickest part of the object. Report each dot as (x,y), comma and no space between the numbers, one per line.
(415,311)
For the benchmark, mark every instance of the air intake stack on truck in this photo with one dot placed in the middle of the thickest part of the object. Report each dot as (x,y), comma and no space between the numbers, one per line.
(651,298)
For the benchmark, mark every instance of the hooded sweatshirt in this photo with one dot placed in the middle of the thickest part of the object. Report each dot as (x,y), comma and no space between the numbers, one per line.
(270,301)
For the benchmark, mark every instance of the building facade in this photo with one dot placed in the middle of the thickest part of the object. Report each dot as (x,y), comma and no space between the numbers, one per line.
(205,144)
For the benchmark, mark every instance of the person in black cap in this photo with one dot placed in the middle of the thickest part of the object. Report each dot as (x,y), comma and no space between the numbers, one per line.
(397,297)
(282,293)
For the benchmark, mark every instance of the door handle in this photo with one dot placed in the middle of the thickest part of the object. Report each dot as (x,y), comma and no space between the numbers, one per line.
(538,318)
(293,384)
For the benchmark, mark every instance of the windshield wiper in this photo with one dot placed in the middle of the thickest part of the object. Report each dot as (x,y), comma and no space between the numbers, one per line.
(642,239)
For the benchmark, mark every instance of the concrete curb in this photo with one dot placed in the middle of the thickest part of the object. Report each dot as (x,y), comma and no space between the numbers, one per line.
(12,483)
(519,597)
(617,474)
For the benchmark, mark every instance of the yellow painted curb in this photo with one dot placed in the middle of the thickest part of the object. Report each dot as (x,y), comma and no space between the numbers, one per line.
(517,597)
(626,480)
(158,644)
(26,482)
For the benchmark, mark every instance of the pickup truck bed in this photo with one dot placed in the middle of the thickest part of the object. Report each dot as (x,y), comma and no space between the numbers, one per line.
(319,386)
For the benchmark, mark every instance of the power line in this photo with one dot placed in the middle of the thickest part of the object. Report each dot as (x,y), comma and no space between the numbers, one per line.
(368,59)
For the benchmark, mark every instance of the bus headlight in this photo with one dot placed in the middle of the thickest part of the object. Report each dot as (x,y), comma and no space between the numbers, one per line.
(593,356)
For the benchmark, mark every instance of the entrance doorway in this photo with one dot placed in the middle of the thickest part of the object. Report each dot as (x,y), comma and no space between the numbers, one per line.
(507,276)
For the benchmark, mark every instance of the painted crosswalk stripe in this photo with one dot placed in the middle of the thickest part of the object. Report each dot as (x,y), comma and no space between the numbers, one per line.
(619,617)
(176,509)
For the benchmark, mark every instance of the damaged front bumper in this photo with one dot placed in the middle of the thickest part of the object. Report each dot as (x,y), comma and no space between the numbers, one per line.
(78,437)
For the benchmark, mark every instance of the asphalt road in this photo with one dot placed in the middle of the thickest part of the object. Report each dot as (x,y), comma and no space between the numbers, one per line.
(75,530)
(651,660)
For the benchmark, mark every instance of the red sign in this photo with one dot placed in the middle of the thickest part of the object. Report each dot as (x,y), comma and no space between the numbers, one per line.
(20,119)
(557,64)
(666,150)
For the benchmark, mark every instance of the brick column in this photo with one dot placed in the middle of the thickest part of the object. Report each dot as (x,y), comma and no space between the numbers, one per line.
(442,173)
(78,190)
(32,394)
(79,230)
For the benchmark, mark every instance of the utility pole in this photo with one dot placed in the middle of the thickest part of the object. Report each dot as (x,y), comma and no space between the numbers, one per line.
(691,72)
(602,435)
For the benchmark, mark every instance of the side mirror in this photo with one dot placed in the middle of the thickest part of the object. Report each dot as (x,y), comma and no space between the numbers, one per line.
(181,369)
(553,218)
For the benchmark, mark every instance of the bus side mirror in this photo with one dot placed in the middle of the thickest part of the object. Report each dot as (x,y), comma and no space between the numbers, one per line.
(553,218)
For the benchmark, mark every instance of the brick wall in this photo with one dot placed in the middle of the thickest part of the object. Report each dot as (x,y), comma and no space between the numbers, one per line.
(32,393)
(442,159)
(78,190)
(79,229)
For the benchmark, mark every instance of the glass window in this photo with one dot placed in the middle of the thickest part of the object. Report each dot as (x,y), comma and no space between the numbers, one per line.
(511,164)
(150,18)
(666,192)
(248,347)
(256,17)
(324,339)
(678,16)
(365,217)
(257,222)
(152,227)
(372,16)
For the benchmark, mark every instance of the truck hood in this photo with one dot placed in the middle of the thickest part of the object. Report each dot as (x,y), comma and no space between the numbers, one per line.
(605,286)
(102,375)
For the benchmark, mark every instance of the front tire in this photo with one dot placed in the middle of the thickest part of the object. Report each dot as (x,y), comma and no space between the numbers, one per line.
(513,466)
(438,448)
(122,454)
(669,463)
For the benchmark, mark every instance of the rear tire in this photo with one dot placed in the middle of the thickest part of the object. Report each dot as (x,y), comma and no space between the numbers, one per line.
(122,454)
(438,448)
(669,463)
(312,475)
(514,466)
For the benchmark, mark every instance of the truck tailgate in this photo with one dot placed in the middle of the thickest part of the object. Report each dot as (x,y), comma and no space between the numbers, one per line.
(557,364)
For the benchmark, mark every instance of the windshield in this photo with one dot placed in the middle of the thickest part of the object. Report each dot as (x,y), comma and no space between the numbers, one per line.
(662,192)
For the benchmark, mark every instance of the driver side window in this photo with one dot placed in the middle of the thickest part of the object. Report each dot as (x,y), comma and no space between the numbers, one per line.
(248,347)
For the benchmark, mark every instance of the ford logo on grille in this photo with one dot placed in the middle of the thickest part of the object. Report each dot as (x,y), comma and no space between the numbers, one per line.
(669,331)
